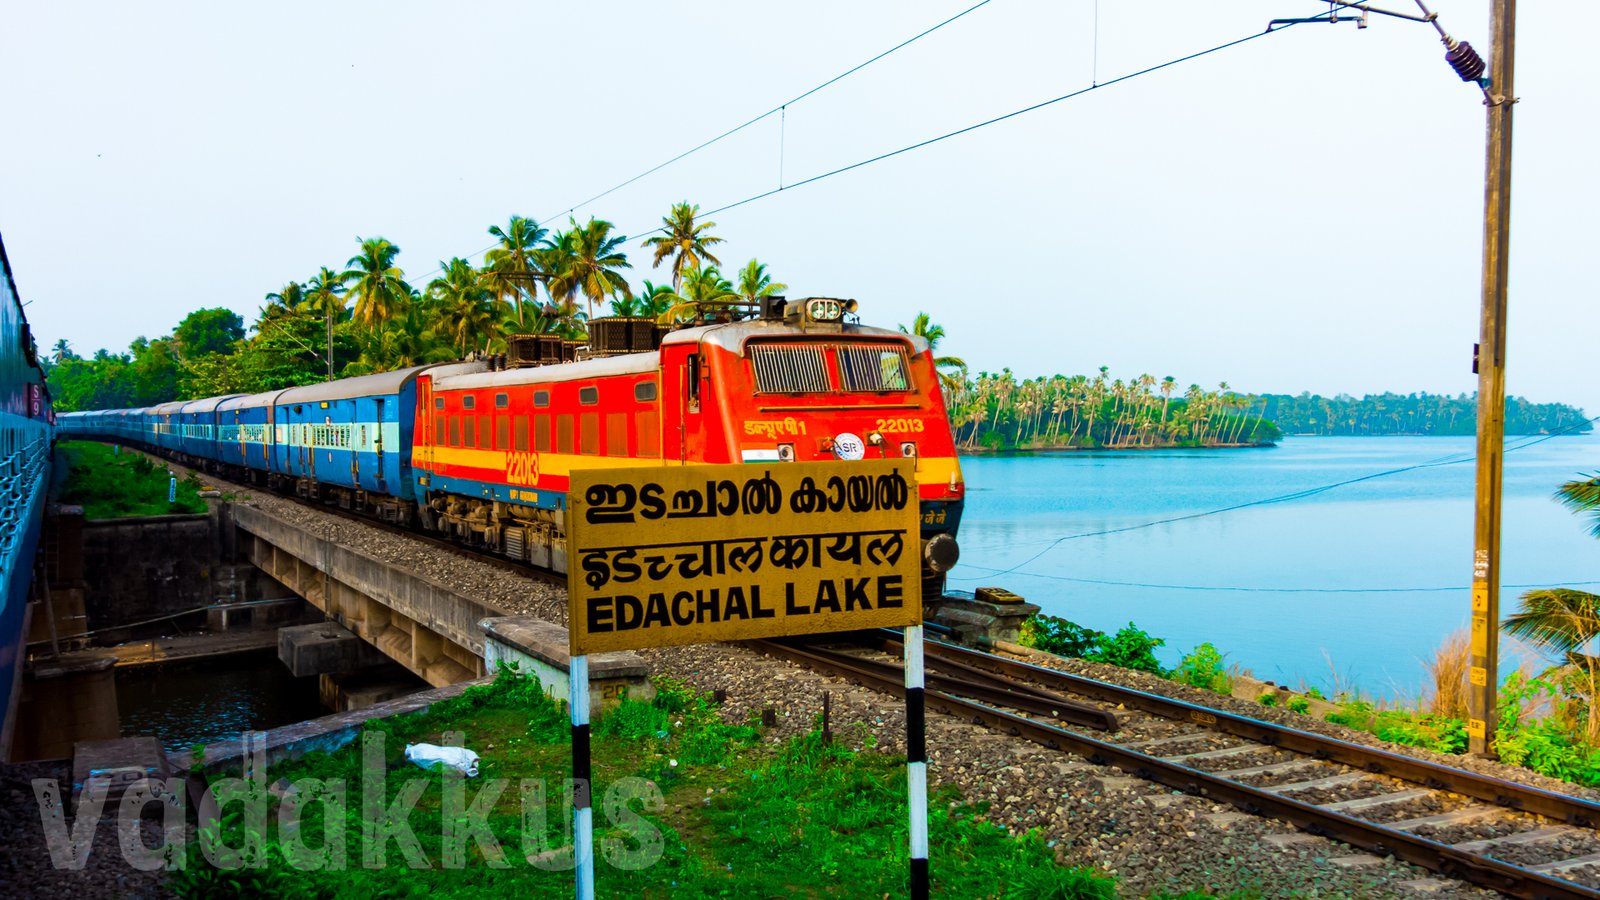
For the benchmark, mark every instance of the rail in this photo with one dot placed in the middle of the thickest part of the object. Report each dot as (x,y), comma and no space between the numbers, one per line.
(995,677)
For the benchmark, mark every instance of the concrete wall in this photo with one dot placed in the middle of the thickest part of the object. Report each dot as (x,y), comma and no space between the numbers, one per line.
(140,569)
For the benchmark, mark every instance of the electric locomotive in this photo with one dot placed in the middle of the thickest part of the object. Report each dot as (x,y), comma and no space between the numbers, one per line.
(482,450)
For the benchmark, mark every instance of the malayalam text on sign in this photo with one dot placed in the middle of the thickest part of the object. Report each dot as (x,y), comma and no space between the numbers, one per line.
(699,554)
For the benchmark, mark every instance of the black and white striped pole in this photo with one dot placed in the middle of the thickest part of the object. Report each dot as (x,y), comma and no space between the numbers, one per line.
(582,812)
(917,762)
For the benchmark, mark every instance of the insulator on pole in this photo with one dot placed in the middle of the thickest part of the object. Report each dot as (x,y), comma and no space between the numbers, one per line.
(1465,60)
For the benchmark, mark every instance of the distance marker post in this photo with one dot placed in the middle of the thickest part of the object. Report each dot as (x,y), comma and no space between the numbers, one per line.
(582,812)
(916,761)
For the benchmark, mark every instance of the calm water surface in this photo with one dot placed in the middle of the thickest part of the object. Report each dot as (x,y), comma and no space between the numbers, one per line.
(185,706)
(1362,580)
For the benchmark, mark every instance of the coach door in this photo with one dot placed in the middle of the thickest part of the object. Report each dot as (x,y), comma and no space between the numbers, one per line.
(383,485)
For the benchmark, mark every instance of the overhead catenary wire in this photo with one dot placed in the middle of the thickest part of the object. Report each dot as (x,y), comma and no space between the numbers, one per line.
(948,135)
(779,109)
(992,121)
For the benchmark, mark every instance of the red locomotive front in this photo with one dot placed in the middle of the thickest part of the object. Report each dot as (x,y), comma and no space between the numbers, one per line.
(494,449)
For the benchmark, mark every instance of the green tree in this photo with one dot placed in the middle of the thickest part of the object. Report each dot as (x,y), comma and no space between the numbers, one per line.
(685,240)
(61,351)
(591,262)
(207,331)
(511,271)
(466,313)
(325,294)
(376,283)
(755,283)
(952,369)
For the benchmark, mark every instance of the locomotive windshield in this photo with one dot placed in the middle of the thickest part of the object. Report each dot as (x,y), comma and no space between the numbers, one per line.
(815,367)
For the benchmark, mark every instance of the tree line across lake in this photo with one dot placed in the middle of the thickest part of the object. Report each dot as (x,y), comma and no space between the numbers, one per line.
(1002,412)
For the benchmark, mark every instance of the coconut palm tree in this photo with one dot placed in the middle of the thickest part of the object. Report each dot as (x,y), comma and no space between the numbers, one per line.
(466,313)
(1566,622)
(511,271)
(755,284)
(376,283)
(655,299)
(61,351)
(590,264)
(952,369)
(291,297)
(325,294)
(685,240)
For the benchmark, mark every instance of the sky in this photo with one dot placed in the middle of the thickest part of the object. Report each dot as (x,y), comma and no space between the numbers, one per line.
(1299,212)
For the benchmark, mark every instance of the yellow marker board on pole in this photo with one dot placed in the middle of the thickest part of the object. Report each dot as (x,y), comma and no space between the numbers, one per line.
(698,554)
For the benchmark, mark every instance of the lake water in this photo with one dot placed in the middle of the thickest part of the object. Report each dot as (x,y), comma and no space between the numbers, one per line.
(1363,579)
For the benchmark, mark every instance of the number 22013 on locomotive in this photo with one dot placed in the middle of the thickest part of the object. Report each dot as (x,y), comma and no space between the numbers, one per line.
(698,554)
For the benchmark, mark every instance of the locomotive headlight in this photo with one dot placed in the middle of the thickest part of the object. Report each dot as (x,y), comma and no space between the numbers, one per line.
(824,309)
(786,453)
(908,449)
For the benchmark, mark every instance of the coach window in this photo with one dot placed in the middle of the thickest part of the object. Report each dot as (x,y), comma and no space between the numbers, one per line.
(564,433)
(647,427)
(501,401)
(644,391)
(589,434)
(522,434)
(438,403)
(502,433)
(541,398)
(485,433)
(616,434)
(541,433)
(455,431)
(589,396)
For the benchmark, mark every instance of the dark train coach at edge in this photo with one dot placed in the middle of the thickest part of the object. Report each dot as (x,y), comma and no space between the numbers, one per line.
(482,450)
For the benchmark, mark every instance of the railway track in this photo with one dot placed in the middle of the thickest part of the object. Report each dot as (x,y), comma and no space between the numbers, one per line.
(1520,840)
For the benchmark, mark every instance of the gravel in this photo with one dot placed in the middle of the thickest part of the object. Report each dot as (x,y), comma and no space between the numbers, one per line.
(25,866)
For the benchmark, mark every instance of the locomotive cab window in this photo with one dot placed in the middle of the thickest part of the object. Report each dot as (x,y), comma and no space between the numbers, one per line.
(644,391)
(789,368)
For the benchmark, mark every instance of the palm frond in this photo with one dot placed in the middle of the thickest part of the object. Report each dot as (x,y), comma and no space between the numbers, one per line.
(1558,620)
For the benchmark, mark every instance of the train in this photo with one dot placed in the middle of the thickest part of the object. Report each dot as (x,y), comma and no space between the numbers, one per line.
(26,435)
(481,451)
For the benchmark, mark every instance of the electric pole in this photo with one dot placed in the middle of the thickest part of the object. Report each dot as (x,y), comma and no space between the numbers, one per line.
(1491,368)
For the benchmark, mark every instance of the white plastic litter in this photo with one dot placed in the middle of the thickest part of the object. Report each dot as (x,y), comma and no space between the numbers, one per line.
(459,758)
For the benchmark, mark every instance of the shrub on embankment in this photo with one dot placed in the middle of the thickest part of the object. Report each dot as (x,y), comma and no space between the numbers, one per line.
(714,811)
(111,484)
(1543,721)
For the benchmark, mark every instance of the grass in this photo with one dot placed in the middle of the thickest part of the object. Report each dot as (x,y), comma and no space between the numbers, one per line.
(113,485)
(736,815)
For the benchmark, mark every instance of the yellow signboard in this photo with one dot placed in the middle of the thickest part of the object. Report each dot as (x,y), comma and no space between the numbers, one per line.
(698,554)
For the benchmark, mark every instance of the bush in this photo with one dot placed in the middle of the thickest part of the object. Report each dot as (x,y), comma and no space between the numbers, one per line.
(1202,668)
(1300,705)
(1268,698)
(1053,634)
(1129,648)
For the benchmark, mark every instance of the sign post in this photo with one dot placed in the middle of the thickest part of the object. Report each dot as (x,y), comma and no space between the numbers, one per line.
(699,554)
(582,808)
(916,762)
